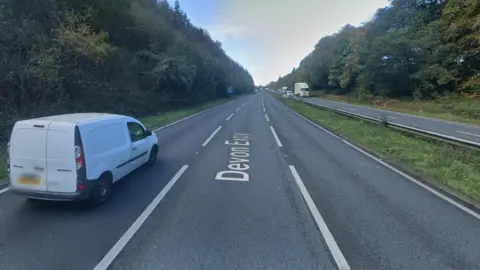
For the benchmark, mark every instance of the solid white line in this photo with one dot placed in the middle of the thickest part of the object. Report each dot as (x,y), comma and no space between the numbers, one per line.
(228,118)
(122,242)
(471,134)
(266,116)
(4,190)
(446,198)
(188,117)
(327,235)
(276,137)
(211,136)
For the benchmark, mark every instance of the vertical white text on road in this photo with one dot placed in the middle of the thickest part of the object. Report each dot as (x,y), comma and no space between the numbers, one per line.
(238,162)
(337,254)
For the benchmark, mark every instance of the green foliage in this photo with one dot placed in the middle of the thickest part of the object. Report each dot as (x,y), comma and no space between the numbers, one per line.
(417,49)
(134,57)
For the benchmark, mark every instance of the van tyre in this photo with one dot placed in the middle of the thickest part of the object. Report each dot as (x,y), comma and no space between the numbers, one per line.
(152,159)
(101,191)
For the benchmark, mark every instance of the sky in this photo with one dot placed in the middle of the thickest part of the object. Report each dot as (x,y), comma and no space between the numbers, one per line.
(270,37)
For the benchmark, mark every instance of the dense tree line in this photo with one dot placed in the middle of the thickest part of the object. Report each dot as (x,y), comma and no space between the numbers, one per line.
(414,48)
(125,56)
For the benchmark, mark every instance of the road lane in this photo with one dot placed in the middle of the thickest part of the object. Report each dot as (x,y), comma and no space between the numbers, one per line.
(212,222)
(68,236)
(379,219)
(454,129)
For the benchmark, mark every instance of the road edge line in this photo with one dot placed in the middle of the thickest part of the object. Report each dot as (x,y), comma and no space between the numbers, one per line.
(337,254)
(211,136)
(405,175)
(128,235)
(4,190)
(193,115)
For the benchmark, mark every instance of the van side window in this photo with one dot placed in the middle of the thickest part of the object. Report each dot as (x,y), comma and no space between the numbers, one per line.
(136,131)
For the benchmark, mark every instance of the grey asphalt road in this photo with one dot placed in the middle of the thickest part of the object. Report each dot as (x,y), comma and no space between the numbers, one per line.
(206,223)
(69,236)
(453,129)
(379,219)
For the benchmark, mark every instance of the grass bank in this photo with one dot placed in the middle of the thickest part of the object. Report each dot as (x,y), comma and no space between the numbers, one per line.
(453,167)
(452,107)
(150,122)
(161,119)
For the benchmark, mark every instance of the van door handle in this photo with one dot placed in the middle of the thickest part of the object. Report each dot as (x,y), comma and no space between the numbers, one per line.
(38,168)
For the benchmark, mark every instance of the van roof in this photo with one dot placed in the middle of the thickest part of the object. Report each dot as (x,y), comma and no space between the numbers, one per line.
(78,118)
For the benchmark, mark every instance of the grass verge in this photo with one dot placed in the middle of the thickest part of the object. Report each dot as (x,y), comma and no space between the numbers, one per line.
(453,167)
(150,122)
(164,118)
(452,108)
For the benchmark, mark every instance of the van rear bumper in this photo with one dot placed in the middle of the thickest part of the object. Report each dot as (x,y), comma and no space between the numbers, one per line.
(56,196)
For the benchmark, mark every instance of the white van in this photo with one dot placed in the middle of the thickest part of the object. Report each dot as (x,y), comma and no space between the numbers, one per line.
(77,156)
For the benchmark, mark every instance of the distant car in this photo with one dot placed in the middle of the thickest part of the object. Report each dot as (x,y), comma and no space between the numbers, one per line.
(77,156)
(289,93)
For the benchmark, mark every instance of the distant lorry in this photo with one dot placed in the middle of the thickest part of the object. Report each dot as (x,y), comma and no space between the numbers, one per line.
(301,89)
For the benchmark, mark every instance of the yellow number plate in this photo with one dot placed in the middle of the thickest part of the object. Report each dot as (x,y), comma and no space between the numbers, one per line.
(28,180)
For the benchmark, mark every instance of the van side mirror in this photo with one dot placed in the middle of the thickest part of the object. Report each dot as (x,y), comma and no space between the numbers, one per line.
(149,133)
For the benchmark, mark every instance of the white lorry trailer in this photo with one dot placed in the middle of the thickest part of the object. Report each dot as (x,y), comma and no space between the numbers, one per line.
(301,89)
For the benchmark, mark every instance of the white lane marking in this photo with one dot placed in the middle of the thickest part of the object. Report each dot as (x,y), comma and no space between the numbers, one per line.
(266,117)
(211,136)
(276,137)
(446,198)
(188,117)
(327,235)
(237,109)
(264,110)
(471,134)
(4,190)
(228,118)
(123,241)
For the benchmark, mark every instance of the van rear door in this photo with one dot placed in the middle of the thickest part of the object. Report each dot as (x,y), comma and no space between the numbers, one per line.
(28,166)
(61,166)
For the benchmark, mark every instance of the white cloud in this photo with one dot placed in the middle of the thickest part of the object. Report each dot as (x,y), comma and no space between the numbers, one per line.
(226,31)
(275,35)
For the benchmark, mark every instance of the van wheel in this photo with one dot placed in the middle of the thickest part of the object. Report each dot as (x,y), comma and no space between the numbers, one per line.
(152,159)
(102,190)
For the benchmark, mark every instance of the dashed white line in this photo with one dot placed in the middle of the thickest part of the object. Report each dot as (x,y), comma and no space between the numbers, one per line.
(264,109)
(446,198)
(4,190)
(122,242)
(237,109)
(471,134)
(211,136)
(276,137)
(327,235)
(266,117)
(228,118)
